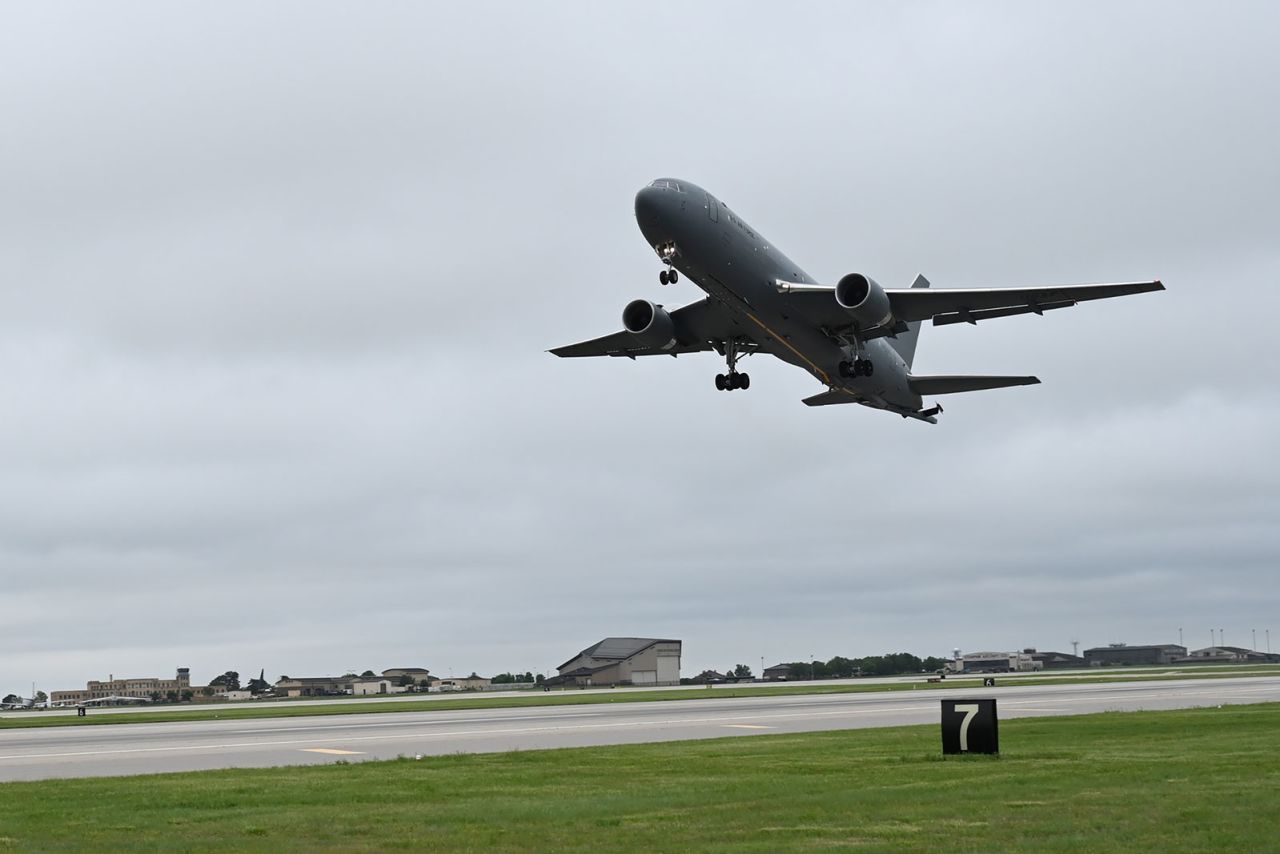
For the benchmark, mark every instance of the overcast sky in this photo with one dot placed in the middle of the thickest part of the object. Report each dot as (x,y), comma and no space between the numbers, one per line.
(278,281)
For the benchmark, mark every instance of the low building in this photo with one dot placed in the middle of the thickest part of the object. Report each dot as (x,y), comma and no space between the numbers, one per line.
(1225,655)
(1056,660)
(710,677)
(463,683)
(235,695)
(624,661)
(409,675)
(315,686)
(1123,655)
(777,673)
(140,687)
(997,662)
(366,686)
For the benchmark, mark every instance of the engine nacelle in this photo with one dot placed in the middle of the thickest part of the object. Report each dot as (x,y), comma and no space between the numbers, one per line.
(650,324)
(862,297)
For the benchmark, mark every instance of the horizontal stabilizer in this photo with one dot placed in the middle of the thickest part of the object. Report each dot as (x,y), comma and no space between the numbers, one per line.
(955,384)
(829,398)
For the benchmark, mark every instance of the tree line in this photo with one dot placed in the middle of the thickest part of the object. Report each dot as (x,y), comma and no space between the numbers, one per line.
(839,667)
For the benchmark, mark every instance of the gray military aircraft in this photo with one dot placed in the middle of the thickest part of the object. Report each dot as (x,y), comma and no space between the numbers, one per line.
(856,337)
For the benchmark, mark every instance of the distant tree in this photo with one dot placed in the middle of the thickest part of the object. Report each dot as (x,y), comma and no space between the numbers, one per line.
(258,685)
(741,671)
(503,679)
(41,697)
(187,694)
(934,663)
(842,668)
(229,680)
(155,696)
(527,677)
(473,675)
(171,696)
(405,680)
(539,679)
(368,673)
(206,691)
(11,698)
(282,678)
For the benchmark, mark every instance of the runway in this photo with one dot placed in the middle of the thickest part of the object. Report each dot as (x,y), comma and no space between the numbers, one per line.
(121,749)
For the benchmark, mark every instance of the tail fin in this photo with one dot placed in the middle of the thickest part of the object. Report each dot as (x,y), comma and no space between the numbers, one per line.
(905,342)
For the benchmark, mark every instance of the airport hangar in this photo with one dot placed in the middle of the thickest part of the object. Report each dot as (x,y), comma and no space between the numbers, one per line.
(623,661)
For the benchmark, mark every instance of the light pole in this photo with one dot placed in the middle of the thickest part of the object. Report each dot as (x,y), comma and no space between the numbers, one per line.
(1179,635)
(811,657)
(1255,639)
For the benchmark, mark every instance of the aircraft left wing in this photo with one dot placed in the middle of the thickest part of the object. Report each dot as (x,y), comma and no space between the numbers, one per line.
(969,305)
(698,326)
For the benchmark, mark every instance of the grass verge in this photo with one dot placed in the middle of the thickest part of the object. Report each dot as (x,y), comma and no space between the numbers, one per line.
(1202,779)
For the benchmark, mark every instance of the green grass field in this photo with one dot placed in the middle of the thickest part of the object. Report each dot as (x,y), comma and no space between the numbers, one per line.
(353,706)
(1198,780)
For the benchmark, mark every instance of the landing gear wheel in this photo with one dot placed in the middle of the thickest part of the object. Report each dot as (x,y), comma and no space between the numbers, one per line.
(744,381)
(844,369)
(673,276)
(663,278)
(721,385)
(868,367)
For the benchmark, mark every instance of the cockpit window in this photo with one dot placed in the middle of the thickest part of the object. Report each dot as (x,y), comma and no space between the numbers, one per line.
(666,184)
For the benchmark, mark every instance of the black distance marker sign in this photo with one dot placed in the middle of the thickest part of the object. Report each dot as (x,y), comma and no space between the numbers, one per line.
(970,726)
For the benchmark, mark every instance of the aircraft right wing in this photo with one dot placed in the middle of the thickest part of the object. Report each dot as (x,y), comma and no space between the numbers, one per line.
(699,326)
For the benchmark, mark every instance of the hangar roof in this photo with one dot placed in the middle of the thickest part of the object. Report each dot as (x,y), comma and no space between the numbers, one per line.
(618,649)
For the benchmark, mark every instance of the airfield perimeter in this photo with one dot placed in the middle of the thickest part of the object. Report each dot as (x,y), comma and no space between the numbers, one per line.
(80,751)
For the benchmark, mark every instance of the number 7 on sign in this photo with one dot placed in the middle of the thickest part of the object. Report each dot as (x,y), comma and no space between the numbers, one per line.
(970,711)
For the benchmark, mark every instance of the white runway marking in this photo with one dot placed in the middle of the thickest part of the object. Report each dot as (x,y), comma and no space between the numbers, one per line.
(747,726)
(332,751)
(406,723)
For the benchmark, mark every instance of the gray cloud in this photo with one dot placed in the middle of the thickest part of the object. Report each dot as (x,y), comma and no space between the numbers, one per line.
(278,283)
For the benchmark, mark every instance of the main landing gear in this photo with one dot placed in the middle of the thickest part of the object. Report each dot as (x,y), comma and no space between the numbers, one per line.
(732,380)
(669,277)
(857,368)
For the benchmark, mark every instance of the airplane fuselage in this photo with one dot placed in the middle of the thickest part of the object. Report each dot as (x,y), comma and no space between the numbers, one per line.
(717,250)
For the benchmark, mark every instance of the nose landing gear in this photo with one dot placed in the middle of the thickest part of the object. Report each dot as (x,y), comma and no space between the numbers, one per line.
(667,252)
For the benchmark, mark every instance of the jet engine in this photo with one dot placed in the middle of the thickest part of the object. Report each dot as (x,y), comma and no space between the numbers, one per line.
(862,297)
(649,323)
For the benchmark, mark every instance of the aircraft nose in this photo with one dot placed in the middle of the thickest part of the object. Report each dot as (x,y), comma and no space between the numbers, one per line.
(649,205)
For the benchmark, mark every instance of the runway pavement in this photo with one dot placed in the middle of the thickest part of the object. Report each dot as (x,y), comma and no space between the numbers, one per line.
(108,750)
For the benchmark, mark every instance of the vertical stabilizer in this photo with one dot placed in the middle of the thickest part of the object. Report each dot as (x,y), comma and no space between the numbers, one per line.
(905,343)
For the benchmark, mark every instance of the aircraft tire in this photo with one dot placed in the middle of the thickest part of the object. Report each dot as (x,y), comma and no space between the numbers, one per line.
(663,278)
(721,385)
(744,381)
(673,276)
(869,367)
(843,369)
